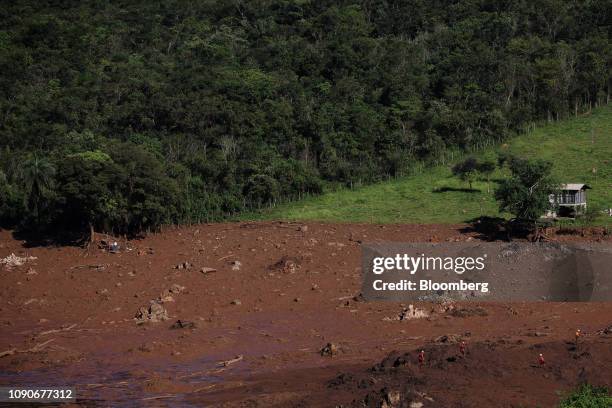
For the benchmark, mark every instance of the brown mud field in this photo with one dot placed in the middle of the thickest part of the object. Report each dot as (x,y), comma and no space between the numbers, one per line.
(257,303)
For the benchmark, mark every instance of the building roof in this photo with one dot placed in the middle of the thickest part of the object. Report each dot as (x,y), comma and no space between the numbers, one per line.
(574,186)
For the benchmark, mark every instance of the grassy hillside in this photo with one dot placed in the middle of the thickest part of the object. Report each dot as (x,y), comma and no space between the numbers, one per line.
(580,148)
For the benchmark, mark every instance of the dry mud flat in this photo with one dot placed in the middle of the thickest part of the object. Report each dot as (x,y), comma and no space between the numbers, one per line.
(267,314)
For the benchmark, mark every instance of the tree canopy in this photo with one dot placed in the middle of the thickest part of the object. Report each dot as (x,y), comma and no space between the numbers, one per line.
(128,115)
(526,194)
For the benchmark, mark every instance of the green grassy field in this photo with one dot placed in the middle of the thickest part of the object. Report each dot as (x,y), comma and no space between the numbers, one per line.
(580,149)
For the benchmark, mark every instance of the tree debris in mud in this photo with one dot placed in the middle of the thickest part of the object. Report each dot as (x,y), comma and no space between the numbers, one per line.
(184,265)
(183,324)
(154,313)
(385,398)
(166,295)
(329,350)
(412,312)
(286,265)
(62,329)
(469,312)
(448,339)
(13,260)
(38,347)
(229,362)
(605,331)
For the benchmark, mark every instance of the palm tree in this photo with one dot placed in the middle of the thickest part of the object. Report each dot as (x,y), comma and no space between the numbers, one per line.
(36,175)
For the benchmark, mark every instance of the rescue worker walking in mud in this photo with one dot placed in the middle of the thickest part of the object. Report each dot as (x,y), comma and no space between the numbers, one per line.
(462,347)
(421,358)
(541,360)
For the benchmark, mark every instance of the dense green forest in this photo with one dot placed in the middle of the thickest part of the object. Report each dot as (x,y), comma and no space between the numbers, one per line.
(126,115)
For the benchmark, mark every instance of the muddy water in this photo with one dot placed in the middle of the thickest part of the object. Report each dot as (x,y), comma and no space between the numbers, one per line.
(116,384)
(111,379)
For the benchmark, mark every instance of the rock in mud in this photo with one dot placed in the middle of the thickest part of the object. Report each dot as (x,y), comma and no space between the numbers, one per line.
(154,313)
(206,270)
(236,265)
(236,302)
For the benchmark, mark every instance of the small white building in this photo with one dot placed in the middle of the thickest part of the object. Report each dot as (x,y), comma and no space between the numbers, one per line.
(569,202)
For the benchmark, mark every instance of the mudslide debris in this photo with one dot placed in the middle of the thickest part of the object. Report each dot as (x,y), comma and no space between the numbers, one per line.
(231,361)
(412,312)
(329,350)
(154,313)
(206,270)
(183,324)
(13,260)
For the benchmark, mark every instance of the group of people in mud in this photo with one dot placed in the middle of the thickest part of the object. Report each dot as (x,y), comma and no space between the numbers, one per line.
(463,350)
